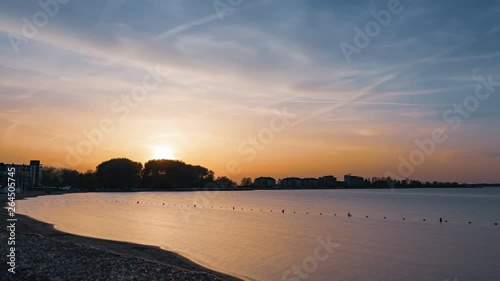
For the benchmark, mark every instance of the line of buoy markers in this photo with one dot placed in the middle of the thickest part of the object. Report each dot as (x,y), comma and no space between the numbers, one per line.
(194,206)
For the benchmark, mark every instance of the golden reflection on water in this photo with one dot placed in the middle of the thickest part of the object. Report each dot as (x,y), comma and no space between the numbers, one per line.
(272,244)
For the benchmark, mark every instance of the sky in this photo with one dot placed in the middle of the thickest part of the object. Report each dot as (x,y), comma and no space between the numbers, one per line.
(408,89)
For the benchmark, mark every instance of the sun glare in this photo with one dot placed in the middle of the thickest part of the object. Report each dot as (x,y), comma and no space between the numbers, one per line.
(162,152)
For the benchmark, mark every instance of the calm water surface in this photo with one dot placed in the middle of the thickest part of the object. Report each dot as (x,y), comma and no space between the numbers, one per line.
(312,240)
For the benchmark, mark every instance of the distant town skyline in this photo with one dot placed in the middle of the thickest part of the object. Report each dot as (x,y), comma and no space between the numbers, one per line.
(264,180)
(295,88)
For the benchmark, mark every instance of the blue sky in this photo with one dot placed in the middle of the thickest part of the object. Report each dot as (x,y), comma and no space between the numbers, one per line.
(226,75)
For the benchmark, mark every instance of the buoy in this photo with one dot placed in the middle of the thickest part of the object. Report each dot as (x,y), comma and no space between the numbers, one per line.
(366,216)
(446,221)
(307,213)
(320,214)
(403,218)
(137,202)
(424,219)
(470,222)
(496,223)
(283,211)
(384,218)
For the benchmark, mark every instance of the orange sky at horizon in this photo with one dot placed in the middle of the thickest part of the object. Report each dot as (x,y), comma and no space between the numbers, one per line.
(280,158)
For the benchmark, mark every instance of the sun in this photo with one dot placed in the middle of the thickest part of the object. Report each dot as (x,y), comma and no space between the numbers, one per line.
(162,152)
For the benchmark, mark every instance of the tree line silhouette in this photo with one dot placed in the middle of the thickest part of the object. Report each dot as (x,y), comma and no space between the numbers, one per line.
(124,174)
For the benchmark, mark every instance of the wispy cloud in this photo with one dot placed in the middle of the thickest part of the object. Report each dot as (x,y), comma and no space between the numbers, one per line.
(186,26)
(229,77)
(111,8)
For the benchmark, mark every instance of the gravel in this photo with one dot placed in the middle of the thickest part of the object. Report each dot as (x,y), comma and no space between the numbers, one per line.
(41,258)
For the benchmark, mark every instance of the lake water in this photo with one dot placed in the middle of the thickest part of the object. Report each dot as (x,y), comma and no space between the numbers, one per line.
(312,240)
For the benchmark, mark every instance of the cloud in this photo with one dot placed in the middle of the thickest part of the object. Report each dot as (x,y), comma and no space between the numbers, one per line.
(233,74)
(112,7)
(186,26)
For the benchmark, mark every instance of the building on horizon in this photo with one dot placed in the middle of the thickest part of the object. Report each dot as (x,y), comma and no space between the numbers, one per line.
(327,181)
(264,182)
(310,182)
(26,176)
(353,181)
(294,182)
(291,182)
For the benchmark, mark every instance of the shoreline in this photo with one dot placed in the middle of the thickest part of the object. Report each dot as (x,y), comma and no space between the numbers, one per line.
(60,192)
(45,253)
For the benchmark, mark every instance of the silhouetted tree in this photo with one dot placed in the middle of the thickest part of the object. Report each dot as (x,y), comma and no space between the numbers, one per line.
(69,177)
(246,182)
(119,173)
(165,174)
(57,177)
(50,176)
(88,180)
(224,182)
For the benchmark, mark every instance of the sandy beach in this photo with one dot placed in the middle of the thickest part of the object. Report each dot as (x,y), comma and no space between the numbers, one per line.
(44,253)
